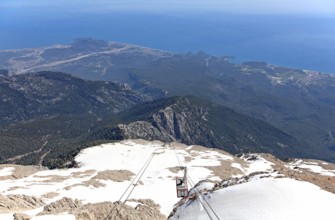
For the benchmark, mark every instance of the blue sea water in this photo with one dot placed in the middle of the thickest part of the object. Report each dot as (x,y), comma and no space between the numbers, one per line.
(306,42)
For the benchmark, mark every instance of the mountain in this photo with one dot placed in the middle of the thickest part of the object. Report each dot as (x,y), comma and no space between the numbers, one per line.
(85,57)
(193,121)
(49,94)
(55,141)
(299,102)
(44,110)
(302,103)
(135,179)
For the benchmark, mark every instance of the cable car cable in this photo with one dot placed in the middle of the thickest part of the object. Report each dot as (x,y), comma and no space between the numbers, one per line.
(124,202)
(204,199)
(201,199)
(192,184)
(131,184)
(196,189)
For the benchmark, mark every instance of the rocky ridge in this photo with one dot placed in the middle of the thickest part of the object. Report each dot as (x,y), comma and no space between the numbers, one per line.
(192,121)
(48,94)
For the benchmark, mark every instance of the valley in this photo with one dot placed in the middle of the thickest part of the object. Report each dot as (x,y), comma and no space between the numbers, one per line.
(116,77)
(101,130)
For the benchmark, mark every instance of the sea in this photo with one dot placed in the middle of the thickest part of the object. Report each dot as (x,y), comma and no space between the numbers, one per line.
(299,41)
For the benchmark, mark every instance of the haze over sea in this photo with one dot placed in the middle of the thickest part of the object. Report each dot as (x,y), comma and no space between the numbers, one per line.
(304,41)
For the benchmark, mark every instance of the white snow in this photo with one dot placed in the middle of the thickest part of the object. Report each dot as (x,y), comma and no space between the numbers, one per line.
(264,199)
(237,166)
(158,182)
(7,171)
(203,186)
(312,166)
(318,169)
(6,216)
(258,164)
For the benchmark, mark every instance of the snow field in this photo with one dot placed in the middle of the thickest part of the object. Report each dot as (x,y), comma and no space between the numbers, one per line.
(261,198)
(265,199)
(157,182)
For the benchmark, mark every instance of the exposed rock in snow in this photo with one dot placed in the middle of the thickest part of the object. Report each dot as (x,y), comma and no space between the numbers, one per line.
(13,171)
(145,209)
(315,166)
(18,203)
(21,216)
(63,205)
(141,174)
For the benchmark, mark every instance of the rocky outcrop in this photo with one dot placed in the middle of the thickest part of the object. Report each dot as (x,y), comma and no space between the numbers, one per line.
(17,203)
(145,130)
(182,121)
(145,209)
(60,206)
(21,216)
(19,171)
(114,175)
(197,122)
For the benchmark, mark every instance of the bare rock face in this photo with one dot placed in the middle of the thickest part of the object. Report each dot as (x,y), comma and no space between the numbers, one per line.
(93,211)
(114,175)
(10,203)
(143,129)
(19,171)
(182,121)
(63,205)
(146,209)
(21,216)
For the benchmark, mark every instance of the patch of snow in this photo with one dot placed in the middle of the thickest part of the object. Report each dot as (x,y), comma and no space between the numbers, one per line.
(256,163)
(132,204)
(34,212)
(237,166)
(6,216)
(318,169)
(203,186)
(311,166)
(7,171)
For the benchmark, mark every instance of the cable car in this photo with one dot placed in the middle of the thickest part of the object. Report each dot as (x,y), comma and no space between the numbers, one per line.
(181,185)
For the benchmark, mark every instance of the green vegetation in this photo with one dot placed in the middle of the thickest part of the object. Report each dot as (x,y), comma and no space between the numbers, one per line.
(300,103)
(61,138)
(295,109)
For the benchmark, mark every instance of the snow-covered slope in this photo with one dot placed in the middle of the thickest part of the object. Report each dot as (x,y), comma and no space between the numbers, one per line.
(142,174)
(263,198)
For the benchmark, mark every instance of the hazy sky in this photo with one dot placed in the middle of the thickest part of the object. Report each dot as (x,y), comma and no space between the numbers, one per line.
(320,7)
